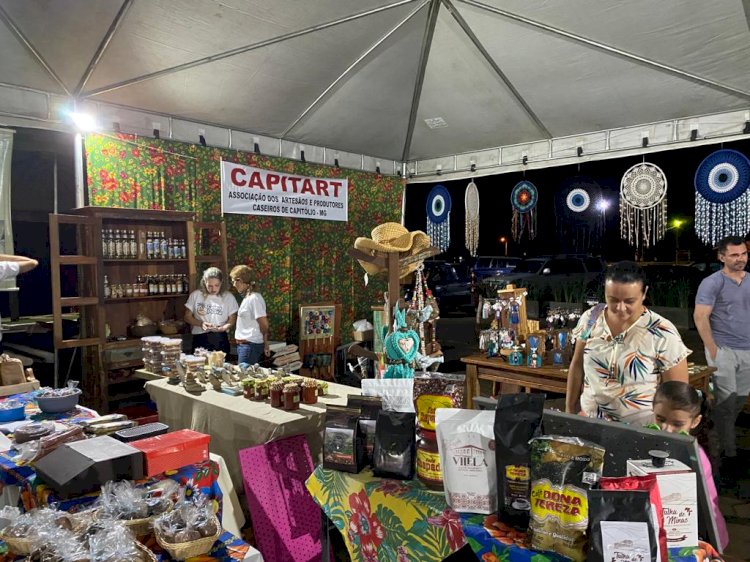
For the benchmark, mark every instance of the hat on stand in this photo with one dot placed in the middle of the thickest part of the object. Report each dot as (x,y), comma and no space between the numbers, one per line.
(392,237)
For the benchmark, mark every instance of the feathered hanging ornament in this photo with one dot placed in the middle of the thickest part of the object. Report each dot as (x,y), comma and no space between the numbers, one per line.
(643,205)
(471,204)
(580,224)
(439,217)
(523,199)
(722,198)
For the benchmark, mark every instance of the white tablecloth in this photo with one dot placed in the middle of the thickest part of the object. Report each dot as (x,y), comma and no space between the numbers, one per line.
(235,423)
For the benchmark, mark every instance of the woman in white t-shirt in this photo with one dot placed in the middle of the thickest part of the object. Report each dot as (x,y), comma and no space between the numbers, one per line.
(211,311)
(251,333)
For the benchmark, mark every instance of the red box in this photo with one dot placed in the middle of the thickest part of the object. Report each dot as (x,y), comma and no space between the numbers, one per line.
(172,450)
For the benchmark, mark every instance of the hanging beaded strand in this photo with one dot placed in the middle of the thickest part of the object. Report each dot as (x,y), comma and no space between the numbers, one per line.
(419,283)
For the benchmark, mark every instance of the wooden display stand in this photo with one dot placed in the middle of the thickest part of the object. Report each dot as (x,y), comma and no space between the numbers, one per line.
(509,294)
(111,353)
(319,336)
(393,265)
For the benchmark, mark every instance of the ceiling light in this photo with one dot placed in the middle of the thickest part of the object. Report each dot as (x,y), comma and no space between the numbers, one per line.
(83,121)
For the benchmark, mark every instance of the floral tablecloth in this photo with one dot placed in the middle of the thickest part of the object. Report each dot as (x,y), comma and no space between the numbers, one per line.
(387,520)
(492,541)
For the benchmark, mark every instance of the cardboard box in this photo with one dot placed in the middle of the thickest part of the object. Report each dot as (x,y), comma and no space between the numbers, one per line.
(679,498)
(83,466)
(365,335)
(173,450)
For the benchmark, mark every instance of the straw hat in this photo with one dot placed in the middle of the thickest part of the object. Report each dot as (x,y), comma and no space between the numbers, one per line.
(392,237)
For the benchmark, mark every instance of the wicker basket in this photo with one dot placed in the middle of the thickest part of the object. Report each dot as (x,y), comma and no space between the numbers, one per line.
(171,327)
(17,545)
(183,550)
(143,331)
(147,554)
(139,527)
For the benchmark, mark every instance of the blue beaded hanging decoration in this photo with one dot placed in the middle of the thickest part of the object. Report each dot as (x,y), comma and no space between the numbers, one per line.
(722,198)
(439,217)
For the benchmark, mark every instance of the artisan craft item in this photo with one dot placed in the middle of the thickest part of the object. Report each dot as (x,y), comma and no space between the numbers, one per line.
(643,205)
(439,217)
(722,198)
(392,237)
(580,221)
(523,199)
(471,204)
(401,347)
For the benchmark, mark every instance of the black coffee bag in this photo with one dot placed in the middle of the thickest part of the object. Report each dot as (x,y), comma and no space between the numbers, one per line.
(369,406)
(395,442)
(621,526)
(342,440)
(518,418)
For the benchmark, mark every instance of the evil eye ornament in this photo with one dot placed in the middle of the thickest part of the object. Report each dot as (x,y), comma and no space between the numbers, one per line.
(578,200)
(438,204)
(723,176)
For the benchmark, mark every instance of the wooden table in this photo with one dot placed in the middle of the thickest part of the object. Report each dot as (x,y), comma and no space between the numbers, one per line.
(514,379)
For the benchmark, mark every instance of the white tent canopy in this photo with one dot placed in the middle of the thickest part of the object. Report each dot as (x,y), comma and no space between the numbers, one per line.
(407,81)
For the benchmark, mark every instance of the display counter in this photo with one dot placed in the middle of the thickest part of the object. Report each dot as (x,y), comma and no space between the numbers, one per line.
(512,379)
(235,423)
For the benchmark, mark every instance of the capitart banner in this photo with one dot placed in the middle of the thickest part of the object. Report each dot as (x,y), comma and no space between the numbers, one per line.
(252,191)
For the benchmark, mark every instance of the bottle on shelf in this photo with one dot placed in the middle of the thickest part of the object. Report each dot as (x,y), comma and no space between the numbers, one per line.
(164,246)
(118,245)
(107,289)
(149,245)
(133,245)
(141,245)
(105,244)
(183,250)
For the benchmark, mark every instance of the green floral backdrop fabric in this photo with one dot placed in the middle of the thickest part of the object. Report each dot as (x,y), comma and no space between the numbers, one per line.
(297,261)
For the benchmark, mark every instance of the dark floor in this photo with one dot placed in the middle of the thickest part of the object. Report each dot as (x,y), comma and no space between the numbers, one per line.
(456,334)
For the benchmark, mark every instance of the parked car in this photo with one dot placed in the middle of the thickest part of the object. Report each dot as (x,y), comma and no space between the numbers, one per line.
(452,291)
(553,276)
(488,266)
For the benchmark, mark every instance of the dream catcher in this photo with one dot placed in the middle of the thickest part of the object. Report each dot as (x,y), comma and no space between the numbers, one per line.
(471,204)
(643,205)
(439,217)
(722,199)
(580,220)
(523,198)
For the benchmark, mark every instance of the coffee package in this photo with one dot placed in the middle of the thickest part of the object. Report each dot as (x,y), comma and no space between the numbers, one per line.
(368,406)
(395,445)
(621,527)
(465,443)
(397,394)
(518,419)
(342,440)
(563,469)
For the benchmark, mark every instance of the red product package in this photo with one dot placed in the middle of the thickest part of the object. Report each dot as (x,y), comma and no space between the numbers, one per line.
(648,484)
(172,450)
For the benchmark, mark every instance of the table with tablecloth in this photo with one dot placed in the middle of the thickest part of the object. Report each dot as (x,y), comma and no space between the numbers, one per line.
(385,519)
(235,423)
(492,541)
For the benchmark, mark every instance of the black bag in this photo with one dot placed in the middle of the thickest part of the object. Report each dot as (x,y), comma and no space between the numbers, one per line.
(369,406)
(342,440)
(631,506)
(395,445)
(518,418)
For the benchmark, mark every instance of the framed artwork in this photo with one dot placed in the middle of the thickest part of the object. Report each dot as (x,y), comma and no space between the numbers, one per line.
(317,321)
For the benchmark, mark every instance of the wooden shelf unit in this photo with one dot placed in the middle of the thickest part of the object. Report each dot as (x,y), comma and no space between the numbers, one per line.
(102,317)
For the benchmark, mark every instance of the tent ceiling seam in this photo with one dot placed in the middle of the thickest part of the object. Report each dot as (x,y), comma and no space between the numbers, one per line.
(103,44)
(614,51)
(29,46)
(424,54)
(332,87)
(496,68)
(243,49)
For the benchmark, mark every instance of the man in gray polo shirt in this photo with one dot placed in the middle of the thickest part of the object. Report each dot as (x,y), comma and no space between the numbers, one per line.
(722,316)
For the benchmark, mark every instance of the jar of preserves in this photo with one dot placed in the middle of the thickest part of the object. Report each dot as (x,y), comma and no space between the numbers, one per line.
(428,460)
(322,388)
(261,390)
(291,396)
(309,391)
(277,394)
(248,388)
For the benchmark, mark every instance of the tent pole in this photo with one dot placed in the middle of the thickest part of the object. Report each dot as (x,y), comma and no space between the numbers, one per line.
(78,147)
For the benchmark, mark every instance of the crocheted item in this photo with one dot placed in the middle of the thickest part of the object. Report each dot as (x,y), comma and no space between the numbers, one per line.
(471,204)
(643,205)
(401,347)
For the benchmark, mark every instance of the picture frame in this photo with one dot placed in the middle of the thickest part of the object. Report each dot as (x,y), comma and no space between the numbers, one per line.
(318,321)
